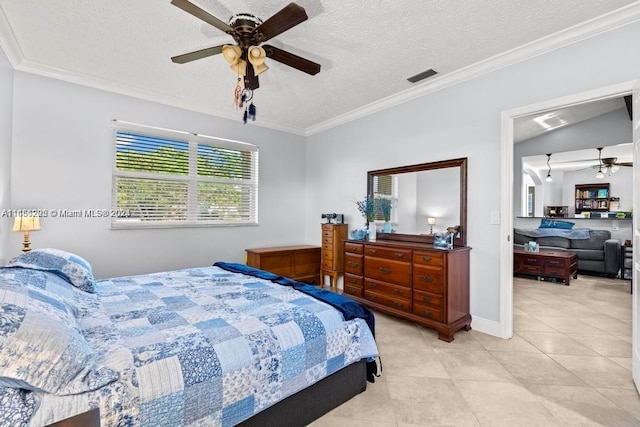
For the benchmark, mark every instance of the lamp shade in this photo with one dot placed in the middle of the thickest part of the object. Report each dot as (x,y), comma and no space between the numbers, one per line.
(231,53)
(26,223)
(256,56)
(431,221)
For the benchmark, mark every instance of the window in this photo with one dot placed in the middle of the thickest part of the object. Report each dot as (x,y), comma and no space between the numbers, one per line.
(385,186)
(164,178)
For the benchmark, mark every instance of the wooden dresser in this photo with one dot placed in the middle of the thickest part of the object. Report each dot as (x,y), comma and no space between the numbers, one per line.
(300,263)
(333,236)
(412,281)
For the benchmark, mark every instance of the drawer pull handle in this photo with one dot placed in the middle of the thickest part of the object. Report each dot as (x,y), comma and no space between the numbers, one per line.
(351,281)
(426,299)
(398,304)
(399,255)
(426,312)
(373,285)
(427,279)
(373,297)
(399,292)
(385,270)
(372,251)
(353,264)
(426,258)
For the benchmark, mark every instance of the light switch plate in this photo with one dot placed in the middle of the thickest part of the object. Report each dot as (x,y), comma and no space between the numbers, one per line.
(495,217)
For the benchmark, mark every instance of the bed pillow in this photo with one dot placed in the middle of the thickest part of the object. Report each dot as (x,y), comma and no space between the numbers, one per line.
(556,223)
(73,268)
(41,346)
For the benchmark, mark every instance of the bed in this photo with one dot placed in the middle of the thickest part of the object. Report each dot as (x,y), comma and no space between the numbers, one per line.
(220,345)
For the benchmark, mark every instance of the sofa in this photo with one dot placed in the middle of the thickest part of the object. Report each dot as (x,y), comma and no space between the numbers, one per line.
(597,252)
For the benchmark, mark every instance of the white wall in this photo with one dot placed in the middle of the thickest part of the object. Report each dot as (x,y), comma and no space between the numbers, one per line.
(62,159)
(461,121)
(6,102)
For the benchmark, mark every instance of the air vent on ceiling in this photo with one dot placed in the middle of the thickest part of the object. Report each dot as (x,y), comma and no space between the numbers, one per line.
(423,75)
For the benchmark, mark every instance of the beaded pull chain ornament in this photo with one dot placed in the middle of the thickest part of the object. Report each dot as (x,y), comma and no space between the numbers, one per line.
(242,98)
(237,94)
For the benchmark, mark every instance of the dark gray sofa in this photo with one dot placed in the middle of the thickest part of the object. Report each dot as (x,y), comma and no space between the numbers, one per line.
(598,254)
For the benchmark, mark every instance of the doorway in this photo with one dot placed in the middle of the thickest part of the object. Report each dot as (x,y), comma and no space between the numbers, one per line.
(507,204)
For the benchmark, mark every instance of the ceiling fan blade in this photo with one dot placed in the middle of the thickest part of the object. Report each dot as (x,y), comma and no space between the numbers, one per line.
(194,10)
(198,54)
(288,17)
(292,60)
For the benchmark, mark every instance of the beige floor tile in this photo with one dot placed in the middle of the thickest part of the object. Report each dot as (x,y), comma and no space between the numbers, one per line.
(556,343)
(514,344)
(525,322)
(568,325)
(416,360)
(609,324)
(536,309)
(461,340)
(429,401)
(597,371)
(372,405)
(629,400)
(336,421)
(577,406)
(537,369)
(625,362)
(606,345)
(504,404)
(473,365)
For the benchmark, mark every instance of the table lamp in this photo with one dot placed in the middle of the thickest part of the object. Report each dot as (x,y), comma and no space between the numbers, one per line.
(26,224)
(431,222)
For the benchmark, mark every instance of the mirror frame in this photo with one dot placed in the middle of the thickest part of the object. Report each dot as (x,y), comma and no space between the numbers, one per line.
(461,240)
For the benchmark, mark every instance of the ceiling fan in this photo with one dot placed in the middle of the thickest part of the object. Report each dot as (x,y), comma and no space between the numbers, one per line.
(249,32)
(609,164)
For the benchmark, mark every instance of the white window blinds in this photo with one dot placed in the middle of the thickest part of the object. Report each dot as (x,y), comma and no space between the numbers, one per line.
(166,178)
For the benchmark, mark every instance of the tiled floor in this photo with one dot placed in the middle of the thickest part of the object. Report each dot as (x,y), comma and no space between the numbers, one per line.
(568,364)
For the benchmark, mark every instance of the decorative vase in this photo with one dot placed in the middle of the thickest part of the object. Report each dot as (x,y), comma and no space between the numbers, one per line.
(387,227)
(372,232)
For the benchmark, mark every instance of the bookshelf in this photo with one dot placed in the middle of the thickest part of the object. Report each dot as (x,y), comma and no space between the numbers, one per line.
(556,211)
(592,198)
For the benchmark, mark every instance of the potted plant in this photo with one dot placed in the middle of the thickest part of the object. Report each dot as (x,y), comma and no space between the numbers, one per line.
(367,208)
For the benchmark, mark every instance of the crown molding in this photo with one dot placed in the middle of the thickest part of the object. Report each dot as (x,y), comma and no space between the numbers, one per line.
(8,41)
(576,33)
(587,29)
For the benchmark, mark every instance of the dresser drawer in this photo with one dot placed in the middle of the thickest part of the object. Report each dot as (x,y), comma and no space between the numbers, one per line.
(428,279)
(427,311)
(534,269)
(428,299)
(327,236)
(395,291)
(352,290)
(387,270)
(428,258)
(328,260)
(389,301)
(388,253)
(355,248)
(353,264)
(353,281)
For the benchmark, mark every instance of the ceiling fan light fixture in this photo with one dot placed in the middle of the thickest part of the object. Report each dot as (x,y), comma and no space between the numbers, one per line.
(256,56)
(231,53)
(239,68)
(600,175)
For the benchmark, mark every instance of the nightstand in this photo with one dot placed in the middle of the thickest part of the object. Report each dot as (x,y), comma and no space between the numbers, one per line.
(626,263)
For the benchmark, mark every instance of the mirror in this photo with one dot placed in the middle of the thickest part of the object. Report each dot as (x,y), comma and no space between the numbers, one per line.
(435,190)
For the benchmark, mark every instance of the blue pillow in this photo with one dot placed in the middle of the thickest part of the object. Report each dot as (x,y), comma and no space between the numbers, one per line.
(556,223)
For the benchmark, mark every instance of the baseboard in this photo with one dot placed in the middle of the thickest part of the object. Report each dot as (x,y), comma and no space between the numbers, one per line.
(486,326)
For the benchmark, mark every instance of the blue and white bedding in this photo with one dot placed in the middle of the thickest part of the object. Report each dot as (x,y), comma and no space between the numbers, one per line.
(200,346)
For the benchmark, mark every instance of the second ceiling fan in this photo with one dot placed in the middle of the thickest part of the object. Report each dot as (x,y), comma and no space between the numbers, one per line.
(249,32)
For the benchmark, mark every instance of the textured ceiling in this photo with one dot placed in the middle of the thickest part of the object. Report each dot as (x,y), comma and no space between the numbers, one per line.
(367,48)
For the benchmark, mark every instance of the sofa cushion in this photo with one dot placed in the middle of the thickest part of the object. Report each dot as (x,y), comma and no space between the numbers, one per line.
(589,254)
(559,242)
(595,242)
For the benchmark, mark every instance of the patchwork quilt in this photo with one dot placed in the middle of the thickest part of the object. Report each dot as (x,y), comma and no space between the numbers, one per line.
(201,346)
